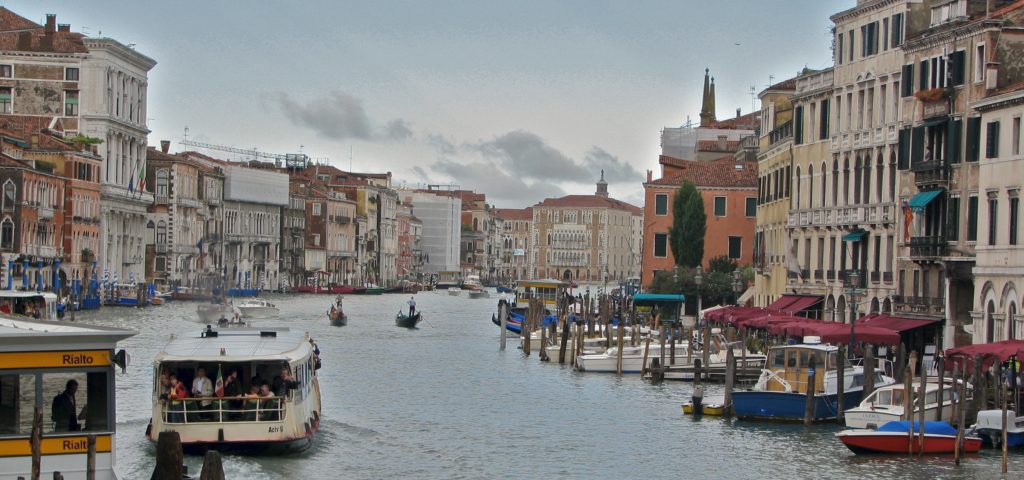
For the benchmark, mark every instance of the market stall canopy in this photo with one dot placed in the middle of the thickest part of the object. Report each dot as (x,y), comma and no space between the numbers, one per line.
(990,352)
(899,324)
(838,333)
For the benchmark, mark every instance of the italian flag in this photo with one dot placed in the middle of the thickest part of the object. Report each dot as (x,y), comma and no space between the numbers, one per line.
(142,178)
(219,387)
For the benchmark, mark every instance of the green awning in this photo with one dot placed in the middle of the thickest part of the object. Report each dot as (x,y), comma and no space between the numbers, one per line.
(855,236)
(921,200)
(655,298)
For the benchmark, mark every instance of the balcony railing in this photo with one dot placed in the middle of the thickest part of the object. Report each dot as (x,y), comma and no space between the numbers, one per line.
(830,274)
(161,248)
(919,305)
(928,247)
(781,133)
(931,173)
(841,216)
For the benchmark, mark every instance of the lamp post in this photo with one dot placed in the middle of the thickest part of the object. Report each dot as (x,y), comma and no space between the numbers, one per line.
(852,291)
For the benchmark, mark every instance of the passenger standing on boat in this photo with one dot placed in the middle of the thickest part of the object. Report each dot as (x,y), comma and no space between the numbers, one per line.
(203,388)
(412,306)
(268,410)
(251,403)
(284,382)
(175,395)
(64,411)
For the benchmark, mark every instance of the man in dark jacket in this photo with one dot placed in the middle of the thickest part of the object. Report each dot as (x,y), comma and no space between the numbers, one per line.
(64,411)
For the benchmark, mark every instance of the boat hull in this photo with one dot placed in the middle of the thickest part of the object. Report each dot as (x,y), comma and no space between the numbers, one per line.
(338,320)
(785,406)
(869,441)
(258,312)
(405,321)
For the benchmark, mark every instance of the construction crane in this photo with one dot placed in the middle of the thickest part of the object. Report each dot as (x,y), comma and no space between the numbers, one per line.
(291,160)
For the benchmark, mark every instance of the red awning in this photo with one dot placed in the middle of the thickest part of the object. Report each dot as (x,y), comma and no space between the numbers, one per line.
(990,352)
(768,319)
(836,332)
(783,302)
(801,302)
(718,315)
(898,324)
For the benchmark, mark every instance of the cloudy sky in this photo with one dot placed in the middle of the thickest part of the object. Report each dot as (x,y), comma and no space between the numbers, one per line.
(520,100)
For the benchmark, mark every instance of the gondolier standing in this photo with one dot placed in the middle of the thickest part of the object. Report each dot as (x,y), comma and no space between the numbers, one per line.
(412,306)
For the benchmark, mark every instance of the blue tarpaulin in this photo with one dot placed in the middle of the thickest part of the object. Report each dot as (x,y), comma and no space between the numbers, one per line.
(921,200)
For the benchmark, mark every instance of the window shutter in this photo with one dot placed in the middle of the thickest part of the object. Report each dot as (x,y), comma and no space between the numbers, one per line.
(823,122)
(973,139)
(908,80)
(798,125)
(953,141)
(992,140)
(904,149)
(916,145)
(958,59)
(923,79)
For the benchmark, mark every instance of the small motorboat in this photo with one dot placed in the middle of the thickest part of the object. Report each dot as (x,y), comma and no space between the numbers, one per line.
(258,308)
(709,409)
(405,321)
(454,291)
(893,437)
(478,293)
(504,289)
(990,428)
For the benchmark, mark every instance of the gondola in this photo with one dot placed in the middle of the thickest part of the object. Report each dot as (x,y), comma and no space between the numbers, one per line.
(405,321)
(338,318)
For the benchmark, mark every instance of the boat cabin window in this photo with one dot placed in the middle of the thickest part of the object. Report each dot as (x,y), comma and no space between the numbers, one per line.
(252,391)
(70,402)
(947,393)
(779,358)
(930,397)
(803,358)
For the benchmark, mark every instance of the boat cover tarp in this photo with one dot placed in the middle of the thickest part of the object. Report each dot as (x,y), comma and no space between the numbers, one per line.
(990,352)
(899,324)
(903,426)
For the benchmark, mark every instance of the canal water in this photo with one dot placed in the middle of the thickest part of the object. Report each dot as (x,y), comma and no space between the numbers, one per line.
(443,402)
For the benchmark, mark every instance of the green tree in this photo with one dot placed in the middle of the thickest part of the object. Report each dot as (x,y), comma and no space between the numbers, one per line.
(689,223)
(722,263)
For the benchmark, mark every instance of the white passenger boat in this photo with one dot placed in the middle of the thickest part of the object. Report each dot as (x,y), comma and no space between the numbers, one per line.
(65,370)
(478,293)
(886,405)
(282,418)
(454,291)
(472,282)
(258,308)
(632,358)
(36,305)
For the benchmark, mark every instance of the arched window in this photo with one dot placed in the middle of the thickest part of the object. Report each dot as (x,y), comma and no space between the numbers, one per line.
(810,186)
(866,177)
(990,322)
(797,189)
(10,196)
(835,182)
(162,182)
(892,177)
(856,180)
(7,234)
(824,183)
(161,233)
(846,181)
(150,232)
(879,175)
(1011,313)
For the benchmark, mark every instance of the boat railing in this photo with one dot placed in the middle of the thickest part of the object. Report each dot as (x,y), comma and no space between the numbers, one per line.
(224,410)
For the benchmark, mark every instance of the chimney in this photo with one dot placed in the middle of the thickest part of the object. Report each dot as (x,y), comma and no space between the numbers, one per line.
(165,146)
(64,27)
(737,112)
(649,176)
(722,142)
(51,23)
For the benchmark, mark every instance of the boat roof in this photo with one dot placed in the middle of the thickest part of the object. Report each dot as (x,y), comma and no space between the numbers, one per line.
(239,344)
(24,335)
(26,294)
(542,282)
(808,346)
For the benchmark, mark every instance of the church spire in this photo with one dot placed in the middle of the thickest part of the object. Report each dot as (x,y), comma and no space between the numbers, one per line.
(707,106)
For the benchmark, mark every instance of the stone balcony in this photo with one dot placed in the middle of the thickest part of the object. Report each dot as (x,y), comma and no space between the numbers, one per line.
(841,216)
(928,248)
(931,306)
(934,173)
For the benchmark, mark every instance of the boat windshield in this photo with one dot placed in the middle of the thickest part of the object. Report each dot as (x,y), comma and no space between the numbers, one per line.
(887,397)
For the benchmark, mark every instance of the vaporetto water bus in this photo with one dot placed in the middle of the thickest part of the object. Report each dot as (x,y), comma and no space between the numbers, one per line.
(66,371)
(272,405)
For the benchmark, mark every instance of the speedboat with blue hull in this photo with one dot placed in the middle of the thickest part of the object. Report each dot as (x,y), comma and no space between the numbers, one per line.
(781,391)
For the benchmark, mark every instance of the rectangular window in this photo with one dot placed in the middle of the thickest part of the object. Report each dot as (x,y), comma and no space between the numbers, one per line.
(6,71)
(1014,213)
(925,68)
(798,125)
(908,80)
(6,97)
(70,103)
(958,61)
(316,239)
(1015,139)
(719,206)
(992,139)
(71,74)
(751,207)
(823,125)
(972,218)
(661,245)
(973,139)
(735,247)
(953,222)
(897,30)
(993,220)
(89,411)
(161,264)
(851,37)
(316,209)
(17,402)
(979,63)
(885,34)
(839,48)
(661,204)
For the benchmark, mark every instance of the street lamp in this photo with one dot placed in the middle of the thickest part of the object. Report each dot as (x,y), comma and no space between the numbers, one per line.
(737,285)
(852,291)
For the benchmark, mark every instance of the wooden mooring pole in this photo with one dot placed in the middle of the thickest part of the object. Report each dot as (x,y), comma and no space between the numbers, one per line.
(841,381)
(809,406)
(503,318)
(36,441)
(90,457)
(565,338)
(908,400)
(168,457)
(213,469)
(730,379)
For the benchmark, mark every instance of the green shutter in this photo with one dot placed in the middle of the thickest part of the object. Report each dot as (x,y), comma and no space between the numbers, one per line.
(953,141)
(916,145)
(923,84)
(904,149)
(973,138)
(958,60)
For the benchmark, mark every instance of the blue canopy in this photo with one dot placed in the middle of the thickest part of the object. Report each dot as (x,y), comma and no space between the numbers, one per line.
(938,428)
(921,200)
(855,236)
(653,298)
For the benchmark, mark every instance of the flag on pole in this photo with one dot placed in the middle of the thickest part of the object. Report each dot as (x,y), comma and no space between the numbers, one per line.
(142,178)
(131,180)
(219,387)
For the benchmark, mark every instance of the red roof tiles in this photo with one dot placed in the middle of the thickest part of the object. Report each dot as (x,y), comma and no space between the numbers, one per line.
(514,213)
(749,121)
(713,146)
(589,201)
(712,173)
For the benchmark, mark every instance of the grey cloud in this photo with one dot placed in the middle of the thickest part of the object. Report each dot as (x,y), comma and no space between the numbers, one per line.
(529,156)
(421,173)
(499,186)
(340,116)
(615,170)
(442,144)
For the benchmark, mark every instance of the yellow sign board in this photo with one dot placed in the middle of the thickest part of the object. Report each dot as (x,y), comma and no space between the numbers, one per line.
(18,447)
(59,359)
